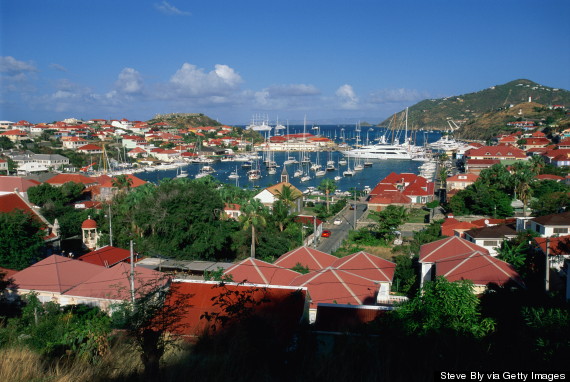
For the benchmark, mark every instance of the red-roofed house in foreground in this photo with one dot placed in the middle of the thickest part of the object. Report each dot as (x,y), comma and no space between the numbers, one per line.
(307,257)
(106,256)
(255,271)
(283,308)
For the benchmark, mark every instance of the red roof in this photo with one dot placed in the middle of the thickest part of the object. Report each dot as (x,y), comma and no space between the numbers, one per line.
(489,162)
(415,189)
(106,256)
(478,267)
(367,265)
(259,272)
(135,182)
(558,245)
(390,198)
(394,178)
(284,307)
(383,187)
(89,224)
(337,286)
(89,147)
(10,183)
(501,151)
(55,274)
(448,248)
(113,283)
(307,257)
(75,178)
(549,177)
(8,273)
(451,224)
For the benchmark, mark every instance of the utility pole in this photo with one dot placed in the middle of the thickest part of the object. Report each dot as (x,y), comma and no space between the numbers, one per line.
(315,232)
(110,226)
(132,275)
(547,271)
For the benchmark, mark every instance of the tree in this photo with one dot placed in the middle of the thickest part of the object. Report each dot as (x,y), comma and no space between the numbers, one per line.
(522,178)
(443,306)
(122,183)
(550,203)
(21,239)
(287,195)
(327,186)
(405,274)
(388,221)
(252,217)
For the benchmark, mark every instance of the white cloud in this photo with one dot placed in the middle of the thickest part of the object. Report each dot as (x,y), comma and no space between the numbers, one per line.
(11,66)
(191,81)
(396,95)
(347,97)
(292,90)
(130,82)
(169,9)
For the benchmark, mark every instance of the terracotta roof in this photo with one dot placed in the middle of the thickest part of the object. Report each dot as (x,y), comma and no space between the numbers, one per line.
(75,178)
(106,256)
(307,257)
(448,248)
(10,183)
(55,274)
(367,265)
(331,285)
(478,267)
(490,162)
(549,177)
(558,245)
(283,307)
(415,189)
(89,147)
(390,198)
(113,283)
(383,187)
(450,225)
(135,182)
(259,272)
(8,273)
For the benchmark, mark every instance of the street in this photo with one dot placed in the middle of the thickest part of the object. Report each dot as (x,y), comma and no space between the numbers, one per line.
(340,232)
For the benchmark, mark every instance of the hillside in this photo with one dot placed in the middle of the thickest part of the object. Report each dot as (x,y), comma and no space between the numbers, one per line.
(185,120)
(434,113)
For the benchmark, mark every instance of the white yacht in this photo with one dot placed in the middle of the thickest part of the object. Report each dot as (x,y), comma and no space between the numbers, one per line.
(379,151)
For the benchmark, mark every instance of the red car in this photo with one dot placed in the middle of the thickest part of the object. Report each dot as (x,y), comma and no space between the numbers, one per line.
(326,233)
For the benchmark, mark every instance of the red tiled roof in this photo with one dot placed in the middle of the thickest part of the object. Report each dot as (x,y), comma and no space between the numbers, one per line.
(89,224)
(75,178)
(106,256)
(9,183)
(367,265)
(8,273)
(282,306)
(448,248)
(89,147)
(335,285)
(415,189)
(55,274)
(504,151)
(390,198)
(383,187)
(490,162)
(478,267)
(558,245)
(259,272)
(549,177)
(113,283)
(307,257)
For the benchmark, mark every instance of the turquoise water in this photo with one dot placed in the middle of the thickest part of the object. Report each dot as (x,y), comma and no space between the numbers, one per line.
(370,176)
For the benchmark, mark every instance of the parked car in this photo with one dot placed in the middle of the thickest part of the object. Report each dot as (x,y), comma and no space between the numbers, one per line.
(326,233)
(337,222)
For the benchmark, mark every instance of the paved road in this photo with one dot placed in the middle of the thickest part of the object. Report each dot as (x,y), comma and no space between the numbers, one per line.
(340,232)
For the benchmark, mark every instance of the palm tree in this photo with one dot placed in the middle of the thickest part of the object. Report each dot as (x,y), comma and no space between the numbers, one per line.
(523,175)
(252,216)
(327,186)
(122,183)
(536,164)
(287,195)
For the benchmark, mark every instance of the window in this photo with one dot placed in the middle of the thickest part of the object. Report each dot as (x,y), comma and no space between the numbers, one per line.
(560,230)
(490,243)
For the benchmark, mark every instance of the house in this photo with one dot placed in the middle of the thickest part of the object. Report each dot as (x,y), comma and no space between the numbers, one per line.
(10,184)
(61,179)
(3,166)
(106,256)
(283,308)
(504,153)
(306,257)
(443,249)
(461,181)
(112,285)
(254,271)
(406,189)
(73,142)
(380,202)
(90,149)
(490,237)
(53,276)
(232,211)
(453,227)
(51,161)
(558,249)
(475,166)
(270,195)
(551,225)
(15,135)
(367,265)
(107,189)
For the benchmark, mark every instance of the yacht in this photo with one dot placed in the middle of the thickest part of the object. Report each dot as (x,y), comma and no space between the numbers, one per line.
(378,151)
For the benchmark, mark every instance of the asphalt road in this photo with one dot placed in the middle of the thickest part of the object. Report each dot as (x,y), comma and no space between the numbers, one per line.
(340,232)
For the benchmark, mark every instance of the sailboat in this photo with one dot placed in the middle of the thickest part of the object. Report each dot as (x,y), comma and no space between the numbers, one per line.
(181,173)
(234,174)
(348,171)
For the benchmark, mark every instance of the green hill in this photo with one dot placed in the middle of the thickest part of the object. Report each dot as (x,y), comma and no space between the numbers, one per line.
(466,108)
(185,120)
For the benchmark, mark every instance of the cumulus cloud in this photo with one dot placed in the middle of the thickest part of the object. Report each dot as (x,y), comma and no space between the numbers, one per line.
(129,82)
(191,81)
(347,97)
(11,66)
(169,9)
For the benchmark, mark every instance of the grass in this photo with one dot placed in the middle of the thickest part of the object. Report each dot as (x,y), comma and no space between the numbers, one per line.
(417,216)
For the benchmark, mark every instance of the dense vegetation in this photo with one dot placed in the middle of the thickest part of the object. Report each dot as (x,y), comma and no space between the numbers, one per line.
(487,109)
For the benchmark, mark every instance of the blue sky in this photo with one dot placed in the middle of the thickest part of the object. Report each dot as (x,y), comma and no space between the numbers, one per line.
(329,60)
